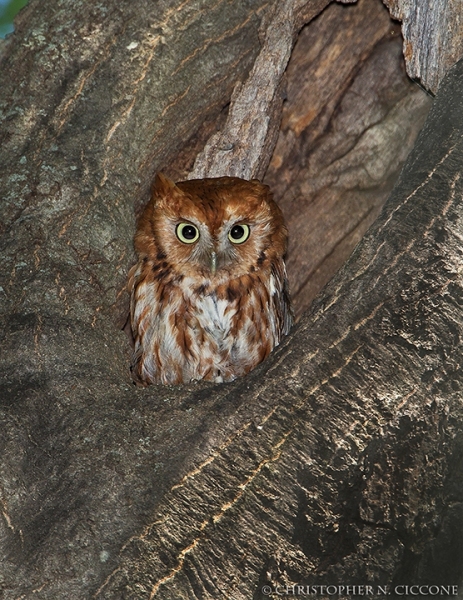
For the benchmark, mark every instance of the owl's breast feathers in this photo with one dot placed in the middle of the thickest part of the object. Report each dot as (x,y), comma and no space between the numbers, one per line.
(214,331)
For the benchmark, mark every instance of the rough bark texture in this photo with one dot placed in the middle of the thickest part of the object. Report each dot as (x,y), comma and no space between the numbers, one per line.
(347,129)
(433,37)
(255,108)
(336,461)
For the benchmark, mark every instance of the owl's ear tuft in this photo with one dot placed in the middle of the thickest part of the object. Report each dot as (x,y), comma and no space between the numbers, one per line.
(165,192)
(163,185)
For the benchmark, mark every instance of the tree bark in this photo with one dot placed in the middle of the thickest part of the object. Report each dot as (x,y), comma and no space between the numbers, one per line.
(346,130)
(433,37)
(335,462)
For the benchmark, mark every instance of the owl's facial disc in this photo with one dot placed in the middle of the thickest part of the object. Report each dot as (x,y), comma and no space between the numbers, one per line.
(212,251)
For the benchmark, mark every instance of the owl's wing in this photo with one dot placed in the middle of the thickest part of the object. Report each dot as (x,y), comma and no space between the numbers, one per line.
(286,307)
(281,298)
(134,275)
(137,276)
(135,367)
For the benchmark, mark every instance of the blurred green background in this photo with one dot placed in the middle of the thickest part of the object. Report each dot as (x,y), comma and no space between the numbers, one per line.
(8,10)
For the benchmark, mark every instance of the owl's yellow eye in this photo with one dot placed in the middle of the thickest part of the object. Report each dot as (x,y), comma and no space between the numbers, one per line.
(187,233)
(239,233)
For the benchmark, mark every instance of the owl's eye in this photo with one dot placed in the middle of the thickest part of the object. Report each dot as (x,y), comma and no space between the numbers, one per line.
(239,234)
(187,233)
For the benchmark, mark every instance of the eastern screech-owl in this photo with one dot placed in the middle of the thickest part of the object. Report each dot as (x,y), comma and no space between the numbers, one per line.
(209,294)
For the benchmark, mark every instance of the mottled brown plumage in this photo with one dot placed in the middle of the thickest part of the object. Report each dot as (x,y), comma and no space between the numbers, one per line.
(209,297)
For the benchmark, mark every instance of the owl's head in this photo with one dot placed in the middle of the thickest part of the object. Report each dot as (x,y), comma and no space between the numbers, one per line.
(214,228)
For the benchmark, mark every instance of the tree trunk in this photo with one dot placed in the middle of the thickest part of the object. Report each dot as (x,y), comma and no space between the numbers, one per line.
(334,462)
(433,37)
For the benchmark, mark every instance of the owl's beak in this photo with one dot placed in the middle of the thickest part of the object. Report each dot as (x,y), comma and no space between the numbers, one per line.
(213,262)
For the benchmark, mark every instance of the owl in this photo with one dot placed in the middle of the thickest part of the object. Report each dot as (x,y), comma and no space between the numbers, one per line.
(209,293)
